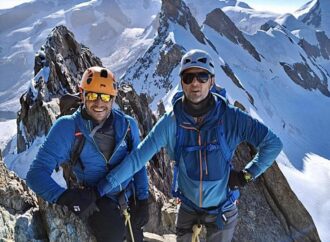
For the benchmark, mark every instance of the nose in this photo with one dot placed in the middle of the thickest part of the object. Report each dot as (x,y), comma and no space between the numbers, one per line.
(98,100)
(195,81)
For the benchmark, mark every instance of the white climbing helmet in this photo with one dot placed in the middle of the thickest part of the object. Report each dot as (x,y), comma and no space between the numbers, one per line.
(197,58)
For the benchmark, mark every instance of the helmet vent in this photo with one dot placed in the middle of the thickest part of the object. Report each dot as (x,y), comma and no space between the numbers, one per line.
(211,64)
(89,80)
(203,60)
(187,61)
(104,73)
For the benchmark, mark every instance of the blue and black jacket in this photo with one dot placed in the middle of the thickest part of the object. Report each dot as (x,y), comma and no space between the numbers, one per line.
(202,174)
(58,145)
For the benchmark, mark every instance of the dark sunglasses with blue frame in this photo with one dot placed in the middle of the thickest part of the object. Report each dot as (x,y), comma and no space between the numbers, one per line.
(202,77)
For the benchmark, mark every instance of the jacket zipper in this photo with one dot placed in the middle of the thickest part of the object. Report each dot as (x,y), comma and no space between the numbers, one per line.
(90,130)
(200,170)
(107,161)
(205,159)
(200,163)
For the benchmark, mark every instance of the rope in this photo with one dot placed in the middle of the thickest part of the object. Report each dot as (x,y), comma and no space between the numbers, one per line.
(128,221)
(197,228)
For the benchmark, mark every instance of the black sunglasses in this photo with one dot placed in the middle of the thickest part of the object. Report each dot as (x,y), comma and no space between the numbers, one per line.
(201,77)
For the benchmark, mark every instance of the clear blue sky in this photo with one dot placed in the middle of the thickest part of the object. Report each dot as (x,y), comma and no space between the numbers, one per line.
(280,6)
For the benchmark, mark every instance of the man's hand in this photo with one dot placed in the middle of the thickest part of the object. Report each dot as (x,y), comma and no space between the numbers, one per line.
(80,201)
(239,179)
(140,213)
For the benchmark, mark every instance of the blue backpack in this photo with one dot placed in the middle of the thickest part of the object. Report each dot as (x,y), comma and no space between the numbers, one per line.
(179,147)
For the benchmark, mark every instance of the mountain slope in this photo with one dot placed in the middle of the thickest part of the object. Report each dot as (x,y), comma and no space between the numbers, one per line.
(103,25)
(315,13)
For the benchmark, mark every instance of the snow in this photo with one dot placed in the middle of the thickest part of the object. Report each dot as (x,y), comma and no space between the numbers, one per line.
(320,16)
(21,162)
(311,185)
(7,132)
(298,28)
(248,20)
(304,9)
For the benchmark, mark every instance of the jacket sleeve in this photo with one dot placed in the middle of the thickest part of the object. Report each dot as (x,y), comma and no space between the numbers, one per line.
(54,151)
(246,128)
(141,177)
(160,136)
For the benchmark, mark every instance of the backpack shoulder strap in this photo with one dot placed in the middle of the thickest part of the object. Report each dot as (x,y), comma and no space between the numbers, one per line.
(128,139)
(69,176)
(77,148)
(177,155)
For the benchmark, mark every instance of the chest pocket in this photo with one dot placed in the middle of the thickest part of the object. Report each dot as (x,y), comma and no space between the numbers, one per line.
(205,153)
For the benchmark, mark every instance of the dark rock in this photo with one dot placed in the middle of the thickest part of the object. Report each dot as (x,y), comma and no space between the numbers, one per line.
(324,43)
(20,218)
(303,75)
(136,106)
(178,12)
(311,50)
(322,49)
(268,25)
(269,210)
(222,24)
(66,60)
(313,17)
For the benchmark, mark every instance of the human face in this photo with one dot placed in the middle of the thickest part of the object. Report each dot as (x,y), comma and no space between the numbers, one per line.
(196,91)
(98,109)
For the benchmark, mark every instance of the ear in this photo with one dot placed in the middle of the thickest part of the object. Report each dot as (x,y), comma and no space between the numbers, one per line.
(212,82)
(113,100)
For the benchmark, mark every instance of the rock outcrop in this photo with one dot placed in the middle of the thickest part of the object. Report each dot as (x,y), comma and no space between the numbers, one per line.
(303,75)
(269,210)
(222,24)
(58,68)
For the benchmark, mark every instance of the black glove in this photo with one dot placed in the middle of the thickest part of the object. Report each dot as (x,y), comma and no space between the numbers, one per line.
(238,179)
(80,201)
(140,212)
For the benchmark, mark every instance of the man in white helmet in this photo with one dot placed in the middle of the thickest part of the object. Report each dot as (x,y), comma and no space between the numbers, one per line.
(201,134)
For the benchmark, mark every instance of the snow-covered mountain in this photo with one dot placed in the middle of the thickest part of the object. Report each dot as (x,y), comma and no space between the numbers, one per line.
(279,71)
(315,14)
(111,28)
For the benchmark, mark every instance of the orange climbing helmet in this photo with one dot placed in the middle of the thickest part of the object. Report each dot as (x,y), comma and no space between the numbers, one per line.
(100,80)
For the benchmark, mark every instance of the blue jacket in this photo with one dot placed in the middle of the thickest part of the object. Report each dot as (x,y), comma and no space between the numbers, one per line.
(238,127)
(57,147)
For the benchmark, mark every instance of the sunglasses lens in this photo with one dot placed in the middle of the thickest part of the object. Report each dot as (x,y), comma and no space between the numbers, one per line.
(105,97)
(91,96)
(188,78)
(203,77)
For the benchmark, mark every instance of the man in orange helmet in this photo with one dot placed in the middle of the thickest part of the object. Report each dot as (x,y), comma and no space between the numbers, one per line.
(108,136)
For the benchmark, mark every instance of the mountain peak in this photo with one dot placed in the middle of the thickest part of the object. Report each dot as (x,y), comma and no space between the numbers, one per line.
(315,14)
(178,12)
(222,24)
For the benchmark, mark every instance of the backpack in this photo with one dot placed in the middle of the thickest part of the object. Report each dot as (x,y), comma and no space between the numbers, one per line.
(69,103)
(233,195)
